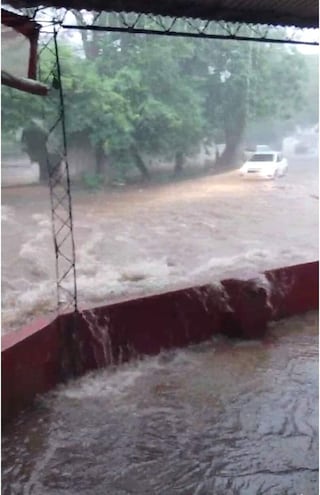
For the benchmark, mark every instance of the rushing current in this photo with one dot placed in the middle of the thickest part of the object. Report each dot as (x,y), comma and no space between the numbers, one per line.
(220,418)
(150,238)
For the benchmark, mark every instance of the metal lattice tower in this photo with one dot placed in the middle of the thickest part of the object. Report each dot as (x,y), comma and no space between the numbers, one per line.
(60,190)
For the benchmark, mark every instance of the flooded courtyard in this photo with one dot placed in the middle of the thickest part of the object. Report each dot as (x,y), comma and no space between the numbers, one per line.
(222,418)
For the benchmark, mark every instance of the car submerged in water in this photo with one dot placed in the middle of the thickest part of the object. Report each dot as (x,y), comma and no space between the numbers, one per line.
(267,165)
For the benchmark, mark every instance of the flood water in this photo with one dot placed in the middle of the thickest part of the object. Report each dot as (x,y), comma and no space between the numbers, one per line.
(149,238)
(221,418)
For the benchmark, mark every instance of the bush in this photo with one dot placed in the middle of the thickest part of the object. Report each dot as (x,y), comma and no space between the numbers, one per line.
(93,181)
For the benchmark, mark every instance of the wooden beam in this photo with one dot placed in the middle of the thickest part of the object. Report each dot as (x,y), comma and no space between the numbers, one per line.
(24,84)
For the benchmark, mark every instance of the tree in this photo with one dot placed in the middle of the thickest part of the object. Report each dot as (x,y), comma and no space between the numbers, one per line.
(165,111)
(132,96)
(244,83)
(309,112)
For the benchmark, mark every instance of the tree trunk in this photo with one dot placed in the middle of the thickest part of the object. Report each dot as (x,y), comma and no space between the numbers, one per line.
(217,157)
(179,162)
(229,153)
(139,162)
(89,40)
(43,171)
(233,138)
(52,162)
(100,159)
(234,129)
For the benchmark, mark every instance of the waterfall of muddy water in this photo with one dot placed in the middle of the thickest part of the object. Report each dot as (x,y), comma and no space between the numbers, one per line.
(222,418)
(101,336)
(143,239)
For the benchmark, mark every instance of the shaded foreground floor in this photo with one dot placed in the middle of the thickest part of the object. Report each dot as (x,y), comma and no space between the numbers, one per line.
(221,418)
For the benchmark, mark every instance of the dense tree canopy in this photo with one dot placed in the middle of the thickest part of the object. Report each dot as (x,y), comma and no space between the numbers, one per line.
(138,95)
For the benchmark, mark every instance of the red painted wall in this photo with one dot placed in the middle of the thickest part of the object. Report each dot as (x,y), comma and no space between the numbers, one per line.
(39,357)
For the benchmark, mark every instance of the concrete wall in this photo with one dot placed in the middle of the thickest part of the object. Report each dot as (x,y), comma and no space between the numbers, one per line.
(18,171)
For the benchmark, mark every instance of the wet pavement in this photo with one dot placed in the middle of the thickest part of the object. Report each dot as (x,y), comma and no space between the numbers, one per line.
(221,418)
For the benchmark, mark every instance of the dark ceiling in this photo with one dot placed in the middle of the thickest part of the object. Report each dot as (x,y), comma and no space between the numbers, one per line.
(300,13)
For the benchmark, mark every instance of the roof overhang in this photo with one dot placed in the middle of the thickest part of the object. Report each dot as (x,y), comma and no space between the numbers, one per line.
(299,13)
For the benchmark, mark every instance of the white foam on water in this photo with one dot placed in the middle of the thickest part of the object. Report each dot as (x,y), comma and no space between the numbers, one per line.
(87,258)
(154,270)
(111,382)
(38,262)
(7,214)
(97,280)
(42,219)
(36,296)
(31,292)
(248,264)
(98,276)
(116,381)
(21,307)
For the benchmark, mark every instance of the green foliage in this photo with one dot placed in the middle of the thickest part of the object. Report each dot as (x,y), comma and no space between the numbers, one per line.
(309,113)
(93,181)
(163,96)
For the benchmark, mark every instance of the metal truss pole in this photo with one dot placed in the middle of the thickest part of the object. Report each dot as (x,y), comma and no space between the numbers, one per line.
(61,204)
(195,28)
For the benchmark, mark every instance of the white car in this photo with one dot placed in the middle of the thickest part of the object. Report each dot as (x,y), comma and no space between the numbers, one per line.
(262,148)
(267,165)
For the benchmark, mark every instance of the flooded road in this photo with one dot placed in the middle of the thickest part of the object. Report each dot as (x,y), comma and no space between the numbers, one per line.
(222,418)
(143,239)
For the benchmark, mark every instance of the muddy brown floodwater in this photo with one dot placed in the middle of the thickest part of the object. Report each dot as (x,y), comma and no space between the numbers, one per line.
(143,239)
(221,418)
